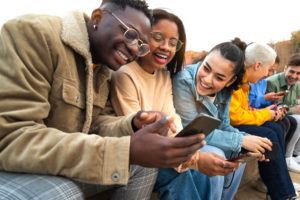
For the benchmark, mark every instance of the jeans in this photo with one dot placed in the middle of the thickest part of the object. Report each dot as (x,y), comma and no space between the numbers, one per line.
(274,174)
(195,185)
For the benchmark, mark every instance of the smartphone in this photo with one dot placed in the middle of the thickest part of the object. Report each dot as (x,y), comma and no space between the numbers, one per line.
(203,123)
(246,157)
(272,155)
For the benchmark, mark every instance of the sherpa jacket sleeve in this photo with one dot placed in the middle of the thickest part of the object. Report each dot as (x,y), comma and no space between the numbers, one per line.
(27,65)
(239,113)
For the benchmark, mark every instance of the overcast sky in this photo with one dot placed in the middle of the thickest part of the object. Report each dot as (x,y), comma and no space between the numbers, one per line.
(207,22)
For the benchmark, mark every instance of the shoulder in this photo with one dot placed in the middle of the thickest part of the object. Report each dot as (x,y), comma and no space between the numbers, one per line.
(38,22)
(125,70)
(275,77)
(188,72)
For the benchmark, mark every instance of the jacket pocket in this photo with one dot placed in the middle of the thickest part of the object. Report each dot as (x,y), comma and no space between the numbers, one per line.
(72,95)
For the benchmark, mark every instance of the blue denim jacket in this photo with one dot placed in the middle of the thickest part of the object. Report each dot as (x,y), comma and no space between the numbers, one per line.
(189,104)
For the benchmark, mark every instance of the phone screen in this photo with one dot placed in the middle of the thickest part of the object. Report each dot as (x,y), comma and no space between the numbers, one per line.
(201,124)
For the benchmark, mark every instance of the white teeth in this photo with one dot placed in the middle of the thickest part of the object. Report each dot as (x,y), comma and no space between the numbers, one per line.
(122,55)
(163,56)
(203,85)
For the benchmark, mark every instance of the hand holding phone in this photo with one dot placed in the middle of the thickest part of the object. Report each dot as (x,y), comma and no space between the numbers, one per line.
(203,123)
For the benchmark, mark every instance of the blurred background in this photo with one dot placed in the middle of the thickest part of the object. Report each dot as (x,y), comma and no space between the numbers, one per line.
(207,23)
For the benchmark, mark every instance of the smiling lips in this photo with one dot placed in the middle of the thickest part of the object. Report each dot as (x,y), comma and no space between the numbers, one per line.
(160,58)
(123,56)
(203,85)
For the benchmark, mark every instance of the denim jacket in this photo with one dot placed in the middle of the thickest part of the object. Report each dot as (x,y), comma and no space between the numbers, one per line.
(189,104)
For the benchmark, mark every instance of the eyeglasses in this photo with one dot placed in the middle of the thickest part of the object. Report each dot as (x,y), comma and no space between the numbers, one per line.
(160,38)
(131,37)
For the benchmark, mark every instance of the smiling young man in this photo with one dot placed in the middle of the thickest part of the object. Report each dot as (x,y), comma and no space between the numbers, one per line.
(55,75)
(289,81)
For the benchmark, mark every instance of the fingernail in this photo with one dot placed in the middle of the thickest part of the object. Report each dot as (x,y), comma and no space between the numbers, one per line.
(168,117)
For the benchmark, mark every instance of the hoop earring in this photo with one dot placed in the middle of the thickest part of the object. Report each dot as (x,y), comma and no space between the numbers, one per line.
(95,27)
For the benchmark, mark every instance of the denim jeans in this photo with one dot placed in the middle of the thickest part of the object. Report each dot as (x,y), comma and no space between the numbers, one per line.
(274,174)
(195,185)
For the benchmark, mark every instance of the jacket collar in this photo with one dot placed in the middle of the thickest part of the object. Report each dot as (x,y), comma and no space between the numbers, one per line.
(74,33)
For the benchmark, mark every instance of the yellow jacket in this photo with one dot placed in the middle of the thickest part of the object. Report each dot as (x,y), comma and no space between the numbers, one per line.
(239,112)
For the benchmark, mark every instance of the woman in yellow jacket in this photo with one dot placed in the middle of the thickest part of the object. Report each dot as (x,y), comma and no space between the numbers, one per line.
(275,175)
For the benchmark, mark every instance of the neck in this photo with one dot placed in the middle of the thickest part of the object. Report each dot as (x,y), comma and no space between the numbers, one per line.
(146,67)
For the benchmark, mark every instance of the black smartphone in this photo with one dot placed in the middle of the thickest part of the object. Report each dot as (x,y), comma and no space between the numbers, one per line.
(246,157)
(272,155)
(203,123)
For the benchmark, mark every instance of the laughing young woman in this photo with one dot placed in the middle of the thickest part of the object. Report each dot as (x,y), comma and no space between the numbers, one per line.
(206,87)
(146,84)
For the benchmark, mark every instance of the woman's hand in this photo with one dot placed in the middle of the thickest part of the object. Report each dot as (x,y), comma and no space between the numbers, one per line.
(210,164)
(256,144)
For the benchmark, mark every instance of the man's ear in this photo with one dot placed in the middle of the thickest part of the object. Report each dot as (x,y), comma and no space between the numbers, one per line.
(258,65)
(231,81)
(96,16)
(285,68)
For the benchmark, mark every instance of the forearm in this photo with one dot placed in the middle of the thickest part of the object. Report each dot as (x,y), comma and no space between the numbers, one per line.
(85,158)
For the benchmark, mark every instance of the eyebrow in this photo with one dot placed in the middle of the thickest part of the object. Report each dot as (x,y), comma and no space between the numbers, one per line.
(206,63)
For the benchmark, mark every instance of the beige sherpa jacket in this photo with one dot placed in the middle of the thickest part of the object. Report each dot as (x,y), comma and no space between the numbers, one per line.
(52,103)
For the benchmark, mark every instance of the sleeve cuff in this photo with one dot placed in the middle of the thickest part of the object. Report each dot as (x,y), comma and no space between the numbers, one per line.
(116,169)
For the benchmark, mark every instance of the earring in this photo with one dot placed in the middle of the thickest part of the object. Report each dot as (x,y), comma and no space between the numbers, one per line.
(95,26)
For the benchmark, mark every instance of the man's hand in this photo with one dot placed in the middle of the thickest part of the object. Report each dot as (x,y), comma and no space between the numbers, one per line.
(149,149)
(273,96)
(143,118)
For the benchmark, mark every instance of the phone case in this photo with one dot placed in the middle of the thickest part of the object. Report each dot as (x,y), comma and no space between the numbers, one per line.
(203,123)
(246,157)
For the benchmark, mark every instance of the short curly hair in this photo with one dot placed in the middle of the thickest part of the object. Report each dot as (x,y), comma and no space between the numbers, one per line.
(140,5)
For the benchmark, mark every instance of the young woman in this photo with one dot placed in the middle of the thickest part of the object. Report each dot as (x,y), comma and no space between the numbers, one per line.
(206,88)
(146,85)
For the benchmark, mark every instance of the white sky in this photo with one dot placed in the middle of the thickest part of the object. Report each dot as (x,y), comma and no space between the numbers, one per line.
(207,22)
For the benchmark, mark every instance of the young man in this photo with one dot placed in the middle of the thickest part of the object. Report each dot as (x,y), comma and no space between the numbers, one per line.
(55,82)
(259,59)
(289,81)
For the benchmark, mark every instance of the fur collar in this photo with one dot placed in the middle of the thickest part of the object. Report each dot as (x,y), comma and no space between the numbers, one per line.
(74,33)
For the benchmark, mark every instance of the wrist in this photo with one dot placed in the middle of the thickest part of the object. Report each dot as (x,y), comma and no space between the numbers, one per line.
(134,128)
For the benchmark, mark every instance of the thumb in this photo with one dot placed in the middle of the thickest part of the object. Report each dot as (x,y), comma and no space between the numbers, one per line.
(161,124)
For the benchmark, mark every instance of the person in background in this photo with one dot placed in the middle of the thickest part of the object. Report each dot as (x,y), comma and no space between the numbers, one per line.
(56,139)
(288,82)
(257,94)
(206,87)
(258,98)
(259,59)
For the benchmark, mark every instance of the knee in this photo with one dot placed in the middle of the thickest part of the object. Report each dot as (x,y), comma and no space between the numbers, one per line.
(213,149)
